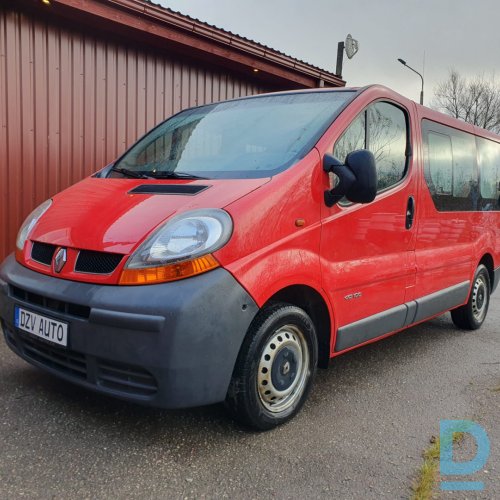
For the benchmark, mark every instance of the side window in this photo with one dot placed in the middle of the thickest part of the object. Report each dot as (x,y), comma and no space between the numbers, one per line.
(352,139)
(450,167)
(387,138)
(489,174)
(382,129)
(464,165)
(440,163)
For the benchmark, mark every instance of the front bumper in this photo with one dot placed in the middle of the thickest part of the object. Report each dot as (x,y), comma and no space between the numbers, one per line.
(171,345)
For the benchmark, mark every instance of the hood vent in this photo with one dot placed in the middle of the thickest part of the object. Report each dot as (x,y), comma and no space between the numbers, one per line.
(182,189)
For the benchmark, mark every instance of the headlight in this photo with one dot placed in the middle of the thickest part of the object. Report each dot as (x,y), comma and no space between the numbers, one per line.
(29,223)
(179,248)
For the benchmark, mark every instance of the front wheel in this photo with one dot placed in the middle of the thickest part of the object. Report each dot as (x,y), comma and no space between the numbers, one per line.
(472,315)
(274,369)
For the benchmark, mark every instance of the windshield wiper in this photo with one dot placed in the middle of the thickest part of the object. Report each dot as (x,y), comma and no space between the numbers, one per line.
(130,173)
(172,174)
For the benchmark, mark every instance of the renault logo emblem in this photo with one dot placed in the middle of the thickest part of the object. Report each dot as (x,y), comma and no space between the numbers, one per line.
(60,260)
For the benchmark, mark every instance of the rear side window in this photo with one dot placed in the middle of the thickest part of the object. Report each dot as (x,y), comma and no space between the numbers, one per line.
(440,163)
(489,173)
(451,172)
(382,129)
(464,165)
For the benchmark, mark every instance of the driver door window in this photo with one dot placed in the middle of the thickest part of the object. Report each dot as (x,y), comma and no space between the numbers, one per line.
(381,128)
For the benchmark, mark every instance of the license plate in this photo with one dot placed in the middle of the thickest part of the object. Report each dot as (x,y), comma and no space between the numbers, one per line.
(41,326)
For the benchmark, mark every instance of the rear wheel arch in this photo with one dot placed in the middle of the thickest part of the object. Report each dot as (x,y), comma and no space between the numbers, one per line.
(487,261)
(471,315)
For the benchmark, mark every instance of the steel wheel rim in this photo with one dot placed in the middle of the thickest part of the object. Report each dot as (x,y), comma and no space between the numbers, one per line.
(479,299)
(285,354)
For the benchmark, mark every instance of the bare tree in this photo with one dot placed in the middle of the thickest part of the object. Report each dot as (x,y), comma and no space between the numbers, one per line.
(476,100)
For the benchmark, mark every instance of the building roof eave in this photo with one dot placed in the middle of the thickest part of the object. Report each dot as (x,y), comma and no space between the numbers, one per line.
(199,39)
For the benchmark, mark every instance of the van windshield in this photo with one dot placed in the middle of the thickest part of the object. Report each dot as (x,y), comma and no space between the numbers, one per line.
(245,138)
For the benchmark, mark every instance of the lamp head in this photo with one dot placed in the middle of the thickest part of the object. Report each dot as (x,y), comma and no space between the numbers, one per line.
(402,61)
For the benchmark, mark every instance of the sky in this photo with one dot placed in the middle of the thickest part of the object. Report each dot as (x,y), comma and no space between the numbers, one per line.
(432,36)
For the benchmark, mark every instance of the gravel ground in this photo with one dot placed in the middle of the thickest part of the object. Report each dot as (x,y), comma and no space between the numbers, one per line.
(361,434)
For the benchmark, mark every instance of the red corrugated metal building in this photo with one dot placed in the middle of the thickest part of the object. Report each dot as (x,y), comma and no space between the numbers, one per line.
(82,79)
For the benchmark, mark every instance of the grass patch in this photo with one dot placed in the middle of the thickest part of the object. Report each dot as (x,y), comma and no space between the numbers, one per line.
(424,486)
(426,480)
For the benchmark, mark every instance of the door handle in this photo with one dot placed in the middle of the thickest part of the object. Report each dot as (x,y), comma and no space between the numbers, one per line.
(410,212)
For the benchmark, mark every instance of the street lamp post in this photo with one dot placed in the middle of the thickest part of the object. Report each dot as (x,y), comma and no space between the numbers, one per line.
(403,62)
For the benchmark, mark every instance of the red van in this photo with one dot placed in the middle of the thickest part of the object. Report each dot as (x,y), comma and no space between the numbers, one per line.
(239,245)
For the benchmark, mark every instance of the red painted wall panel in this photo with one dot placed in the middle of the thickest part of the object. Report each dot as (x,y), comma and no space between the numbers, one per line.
(71,101)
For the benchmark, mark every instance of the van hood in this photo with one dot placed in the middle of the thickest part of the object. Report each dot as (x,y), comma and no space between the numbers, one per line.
(106,215)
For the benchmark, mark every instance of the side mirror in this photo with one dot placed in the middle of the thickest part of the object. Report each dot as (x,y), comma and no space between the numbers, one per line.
(357,177)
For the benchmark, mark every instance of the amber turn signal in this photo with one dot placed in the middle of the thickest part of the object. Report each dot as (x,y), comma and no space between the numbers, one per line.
(171,272)
(19,256)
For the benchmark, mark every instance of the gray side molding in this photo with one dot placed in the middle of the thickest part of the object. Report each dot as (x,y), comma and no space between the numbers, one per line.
(442,301)
(371,327)
(402,316)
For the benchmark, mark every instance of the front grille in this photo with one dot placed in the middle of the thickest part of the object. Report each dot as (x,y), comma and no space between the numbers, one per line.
(92,262)
(68,362)
(125,378)
(119,378)
(52,304)
(42,252)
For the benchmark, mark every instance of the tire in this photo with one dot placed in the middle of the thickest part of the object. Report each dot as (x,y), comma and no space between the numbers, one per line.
(472,315)
(275,368)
